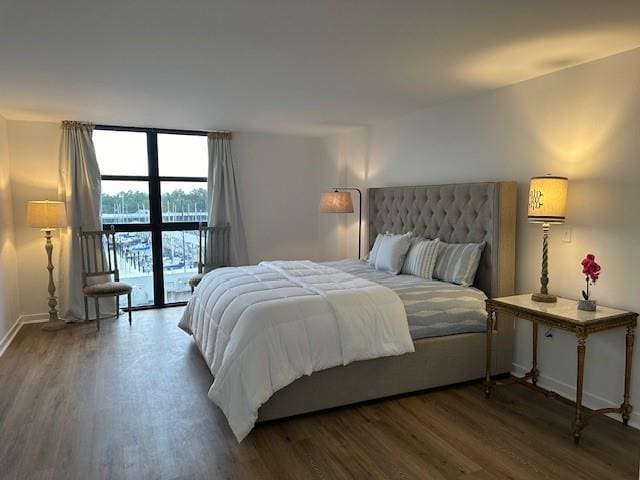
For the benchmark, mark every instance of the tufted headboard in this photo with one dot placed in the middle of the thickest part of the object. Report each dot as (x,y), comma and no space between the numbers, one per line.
(456,213)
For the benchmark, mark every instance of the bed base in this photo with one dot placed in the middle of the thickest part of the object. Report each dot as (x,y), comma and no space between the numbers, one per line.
(436,362)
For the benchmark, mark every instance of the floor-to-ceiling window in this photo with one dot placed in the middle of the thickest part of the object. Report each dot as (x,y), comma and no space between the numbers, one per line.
(154,193)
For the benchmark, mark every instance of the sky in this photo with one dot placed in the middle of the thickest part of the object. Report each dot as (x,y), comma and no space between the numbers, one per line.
(125,153)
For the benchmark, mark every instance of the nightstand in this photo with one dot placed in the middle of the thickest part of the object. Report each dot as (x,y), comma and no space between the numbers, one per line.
(565,315)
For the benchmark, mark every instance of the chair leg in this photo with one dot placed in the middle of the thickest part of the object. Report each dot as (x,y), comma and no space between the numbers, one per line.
(129,304)
(118,306)
(86,309)
(97,300)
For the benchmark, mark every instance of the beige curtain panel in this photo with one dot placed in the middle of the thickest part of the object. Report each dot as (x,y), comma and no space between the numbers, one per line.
(224,204)
(79,188)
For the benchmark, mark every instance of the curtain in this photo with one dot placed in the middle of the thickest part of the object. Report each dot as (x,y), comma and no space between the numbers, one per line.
(224,205)
(79,188)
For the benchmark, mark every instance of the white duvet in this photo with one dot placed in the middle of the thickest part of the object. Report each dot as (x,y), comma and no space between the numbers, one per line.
(259,328)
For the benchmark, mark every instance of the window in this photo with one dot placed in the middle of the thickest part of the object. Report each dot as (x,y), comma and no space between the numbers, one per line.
(154,193)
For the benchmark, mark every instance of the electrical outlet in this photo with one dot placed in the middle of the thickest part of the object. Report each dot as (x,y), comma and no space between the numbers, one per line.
(566,234)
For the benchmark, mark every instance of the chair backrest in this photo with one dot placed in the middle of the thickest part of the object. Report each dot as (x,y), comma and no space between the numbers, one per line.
(98,250)
(213,247)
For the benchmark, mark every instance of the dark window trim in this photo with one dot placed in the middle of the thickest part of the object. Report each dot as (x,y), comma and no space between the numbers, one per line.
(150,130)
(142,178)
(156,226)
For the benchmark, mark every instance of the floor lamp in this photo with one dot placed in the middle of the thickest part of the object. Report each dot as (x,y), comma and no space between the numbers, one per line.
(339,201)
(47,216)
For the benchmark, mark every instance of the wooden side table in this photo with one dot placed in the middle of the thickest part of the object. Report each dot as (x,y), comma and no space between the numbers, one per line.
(565,315)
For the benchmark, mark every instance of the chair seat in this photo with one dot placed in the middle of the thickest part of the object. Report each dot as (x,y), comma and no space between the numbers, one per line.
(195,280)
(107,288)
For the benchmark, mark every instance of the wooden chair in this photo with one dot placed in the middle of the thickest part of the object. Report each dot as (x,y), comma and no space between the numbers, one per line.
(213,250)
(99,259)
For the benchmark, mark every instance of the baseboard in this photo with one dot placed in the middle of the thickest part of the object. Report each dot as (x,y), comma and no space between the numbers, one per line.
(15,328)
(8,338)
(569,391)
(33,318)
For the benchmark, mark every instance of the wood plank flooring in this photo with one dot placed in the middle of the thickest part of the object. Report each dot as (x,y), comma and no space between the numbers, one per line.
(132,403)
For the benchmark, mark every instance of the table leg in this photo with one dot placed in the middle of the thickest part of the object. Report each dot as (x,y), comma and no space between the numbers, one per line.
(578,423)
(534,369)
(626,405)
(487,380)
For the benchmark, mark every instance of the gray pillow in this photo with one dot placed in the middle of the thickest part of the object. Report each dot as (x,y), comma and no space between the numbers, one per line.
(421,258)
(390,255)
(374,250)
(458,262)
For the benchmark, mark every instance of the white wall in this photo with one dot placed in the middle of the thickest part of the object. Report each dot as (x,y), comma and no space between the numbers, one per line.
(9,303)
(280,178)
(349,155)
(34,176)
(582,122)
(279,191)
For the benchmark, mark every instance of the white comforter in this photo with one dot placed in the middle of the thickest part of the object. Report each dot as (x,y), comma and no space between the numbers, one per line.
(261,327)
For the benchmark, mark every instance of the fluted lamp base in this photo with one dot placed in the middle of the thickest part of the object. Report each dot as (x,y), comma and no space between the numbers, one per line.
(544,298)
(53,326)
(54,322)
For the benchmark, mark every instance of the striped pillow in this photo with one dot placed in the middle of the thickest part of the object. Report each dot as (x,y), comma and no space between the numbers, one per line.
(421,259)
(458,262)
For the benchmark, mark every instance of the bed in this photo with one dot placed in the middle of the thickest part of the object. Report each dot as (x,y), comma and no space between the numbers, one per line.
(447,350)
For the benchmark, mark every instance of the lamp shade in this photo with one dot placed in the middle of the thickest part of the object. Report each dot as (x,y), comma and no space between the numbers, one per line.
(548,199)
(46,214)
(336,202)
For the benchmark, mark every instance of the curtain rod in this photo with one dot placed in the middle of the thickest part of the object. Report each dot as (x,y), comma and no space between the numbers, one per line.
(155,130)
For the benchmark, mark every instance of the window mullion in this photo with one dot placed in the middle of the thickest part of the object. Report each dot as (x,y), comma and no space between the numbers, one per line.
(155,206)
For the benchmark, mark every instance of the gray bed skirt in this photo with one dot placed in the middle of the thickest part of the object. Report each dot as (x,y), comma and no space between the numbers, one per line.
(436,362)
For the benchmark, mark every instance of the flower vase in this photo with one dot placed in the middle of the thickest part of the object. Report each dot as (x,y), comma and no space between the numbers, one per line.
(587,305)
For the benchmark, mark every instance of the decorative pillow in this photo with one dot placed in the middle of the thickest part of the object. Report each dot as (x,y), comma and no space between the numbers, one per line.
(458,262)
(421,258)
(390,255)
(374,250)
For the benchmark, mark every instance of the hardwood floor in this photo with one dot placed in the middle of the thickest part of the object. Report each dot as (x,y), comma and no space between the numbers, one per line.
(132,403)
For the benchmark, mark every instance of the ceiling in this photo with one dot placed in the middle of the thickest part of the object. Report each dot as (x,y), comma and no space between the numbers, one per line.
(292,66)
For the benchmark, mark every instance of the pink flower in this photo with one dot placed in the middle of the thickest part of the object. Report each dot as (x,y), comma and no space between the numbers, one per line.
(590,268)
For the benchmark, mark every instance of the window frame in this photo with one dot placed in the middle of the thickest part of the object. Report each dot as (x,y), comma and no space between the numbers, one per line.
(155,226)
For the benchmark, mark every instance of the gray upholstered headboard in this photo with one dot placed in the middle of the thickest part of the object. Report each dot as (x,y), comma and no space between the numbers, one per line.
(456,213)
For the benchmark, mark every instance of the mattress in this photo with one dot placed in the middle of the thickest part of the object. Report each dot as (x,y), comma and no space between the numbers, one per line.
(434,308)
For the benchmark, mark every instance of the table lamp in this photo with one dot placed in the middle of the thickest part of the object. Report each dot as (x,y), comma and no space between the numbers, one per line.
(547,205)
(339,201)
(47,216)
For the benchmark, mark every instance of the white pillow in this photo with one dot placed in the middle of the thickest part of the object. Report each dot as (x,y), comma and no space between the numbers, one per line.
(421,258)
(390,255)
(374,250)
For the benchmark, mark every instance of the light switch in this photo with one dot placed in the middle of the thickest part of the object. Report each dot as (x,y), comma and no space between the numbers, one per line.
(566,234)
